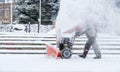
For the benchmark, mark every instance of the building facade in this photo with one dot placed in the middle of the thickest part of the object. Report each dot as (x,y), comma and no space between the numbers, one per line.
(5,11)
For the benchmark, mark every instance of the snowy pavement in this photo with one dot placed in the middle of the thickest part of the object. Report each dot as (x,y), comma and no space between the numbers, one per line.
(42,63)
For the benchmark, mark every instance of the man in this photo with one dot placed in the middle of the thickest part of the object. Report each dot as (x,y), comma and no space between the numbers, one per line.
(90,31)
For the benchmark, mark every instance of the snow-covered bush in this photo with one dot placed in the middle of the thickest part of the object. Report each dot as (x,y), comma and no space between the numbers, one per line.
(27,11)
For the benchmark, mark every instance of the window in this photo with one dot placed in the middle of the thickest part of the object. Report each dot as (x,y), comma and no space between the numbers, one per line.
(1,10)
(6,12)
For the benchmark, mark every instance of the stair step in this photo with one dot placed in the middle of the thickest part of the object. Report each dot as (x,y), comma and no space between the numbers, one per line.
(20,46)
(44,52)
(102,51)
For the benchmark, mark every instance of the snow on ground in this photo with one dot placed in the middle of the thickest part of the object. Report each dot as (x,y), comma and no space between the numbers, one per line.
(42,63)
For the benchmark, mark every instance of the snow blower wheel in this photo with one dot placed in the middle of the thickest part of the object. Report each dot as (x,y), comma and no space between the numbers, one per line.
(66,53)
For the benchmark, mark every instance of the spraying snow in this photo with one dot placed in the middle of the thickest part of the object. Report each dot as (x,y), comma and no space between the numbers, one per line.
(103,13)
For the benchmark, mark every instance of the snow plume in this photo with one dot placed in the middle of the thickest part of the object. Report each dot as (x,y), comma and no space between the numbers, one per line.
(104,13)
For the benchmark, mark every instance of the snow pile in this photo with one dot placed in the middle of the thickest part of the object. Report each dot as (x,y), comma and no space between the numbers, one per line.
(103,13)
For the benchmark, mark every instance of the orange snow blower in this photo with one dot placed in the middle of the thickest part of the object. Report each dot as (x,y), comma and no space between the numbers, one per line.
(63,48)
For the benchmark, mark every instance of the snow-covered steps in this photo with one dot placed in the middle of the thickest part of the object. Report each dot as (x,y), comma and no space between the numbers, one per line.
(12,43)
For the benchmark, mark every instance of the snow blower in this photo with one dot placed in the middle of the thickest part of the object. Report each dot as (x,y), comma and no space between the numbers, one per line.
(63,48)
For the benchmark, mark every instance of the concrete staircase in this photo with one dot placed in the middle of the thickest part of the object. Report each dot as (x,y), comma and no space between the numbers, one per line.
(13,43)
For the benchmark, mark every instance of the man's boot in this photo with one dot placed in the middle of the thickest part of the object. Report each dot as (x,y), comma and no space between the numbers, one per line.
(87,47)
(84,54)
(97,57)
